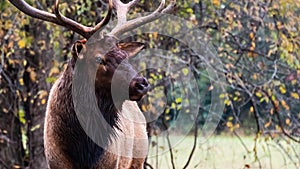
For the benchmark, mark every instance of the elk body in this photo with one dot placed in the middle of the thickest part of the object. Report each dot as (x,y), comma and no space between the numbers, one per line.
(67,145)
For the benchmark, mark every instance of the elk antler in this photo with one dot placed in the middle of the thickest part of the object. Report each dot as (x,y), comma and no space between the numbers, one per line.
(122,9)
(123,25)
(59,19)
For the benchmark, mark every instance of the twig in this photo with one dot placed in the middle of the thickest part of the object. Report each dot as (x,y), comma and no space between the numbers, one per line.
(256,115)
(195,141)
(148,165)
(255,150)
(242,142)
(169,144)
(4,165)
(5,138)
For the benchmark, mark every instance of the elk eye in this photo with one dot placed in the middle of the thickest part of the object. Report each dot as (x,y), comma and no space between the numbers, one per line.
(99,60)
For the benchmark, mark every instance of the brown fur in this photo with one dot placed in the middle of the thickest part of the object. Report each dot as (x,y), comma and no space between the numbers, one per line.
(66,144)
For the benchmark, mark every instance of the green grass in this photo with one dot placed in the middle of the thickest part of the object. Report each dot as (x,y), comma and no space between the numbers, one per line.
(226,152)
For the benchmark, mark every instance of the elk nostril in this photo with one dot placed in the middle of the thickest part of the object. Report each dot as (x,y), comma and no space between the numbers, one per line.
(140,86)
(145,82)
(141,83)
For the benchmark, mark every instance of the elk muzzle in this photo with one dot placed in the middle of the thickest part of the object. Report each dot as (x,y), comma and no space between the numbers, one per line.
(138,87)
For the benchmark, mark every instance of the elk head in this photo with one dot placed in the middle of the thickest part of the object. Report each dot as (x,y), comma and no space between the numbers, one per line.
(114,62)
(108,54)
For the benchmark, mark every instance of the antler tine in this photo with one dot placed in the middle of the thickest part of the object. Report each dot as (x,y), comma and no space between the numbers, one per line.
(132,3)
(124,25)
(106,19)
(59,19)
(122,9)
(170,7)
(87,31)
(161,6)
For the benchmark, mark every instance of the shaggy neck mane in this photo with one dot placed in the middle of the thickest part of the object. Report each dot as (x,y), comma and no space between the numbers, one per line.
(105,102)
(107,107)
(81,149)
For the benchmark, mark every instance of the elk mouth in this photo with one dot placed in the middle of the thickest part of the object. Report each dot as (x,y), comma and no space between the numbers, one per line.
(139,87)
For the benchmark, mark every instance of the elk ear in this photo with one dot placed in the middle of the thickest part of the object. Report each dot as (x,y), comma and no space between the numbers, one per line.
(78,46)
(132,48)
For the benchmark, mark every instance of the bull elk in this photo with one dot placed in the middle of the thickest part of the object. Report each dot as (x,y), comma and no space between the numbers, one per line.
(67,145)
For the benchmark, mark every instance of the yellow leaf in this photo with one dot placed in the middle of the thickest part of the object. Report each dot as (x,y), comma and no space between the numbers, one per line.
(222,96)
(229,124)
(43,101)
(272,111)
(216,2)
(42,94)
(227,102)
(258,94)
(144,108)
(285,105)
(35,127)
(185,71)
(251,109)
(282,89)
(178,100)
(251,36)
(32,76)
(153,76)
(168,118)
(22,43)
(173,105)
(268,124)
(273,97)
(254,76)
(54,71)
(21,81)
(155,35)
(287,121)
(295,95)
(22,116)
(252,46)
(262,99)
(230,80)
